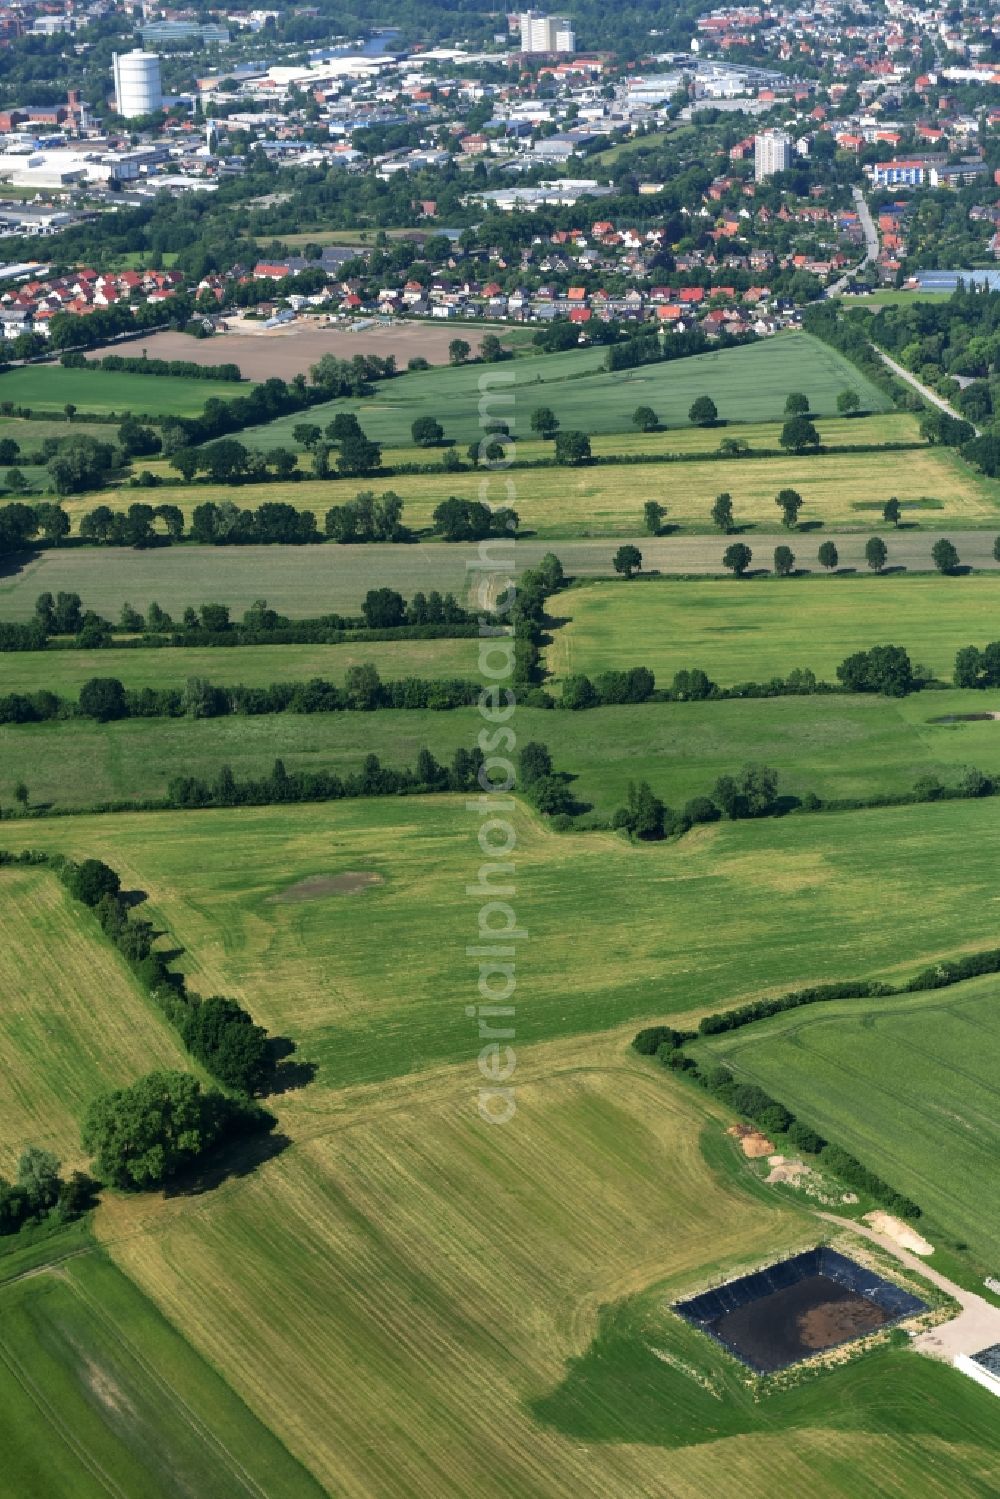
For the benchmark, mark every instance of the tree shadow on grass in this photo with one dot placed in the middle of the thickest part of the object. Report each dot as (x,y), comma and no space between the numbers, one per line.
(238,1158)
(810,525)
(289,1077)
(17,562)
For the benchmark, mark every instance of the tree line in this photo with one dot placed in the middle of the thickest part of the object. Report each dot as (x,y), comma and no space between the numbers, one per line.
(373,779)
(107,700)
(134,365)
(770,1116)
(385,615)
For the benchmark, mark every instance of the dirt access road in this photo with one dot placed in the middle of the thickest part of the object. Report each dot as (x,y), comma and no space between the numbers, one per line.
(977,1325)
(923,390)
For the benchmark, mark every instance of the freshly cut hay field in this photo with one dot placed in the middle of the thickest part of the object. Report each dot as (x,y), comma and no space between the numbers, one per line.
(254,666)
(48,387)
(747,384)
(838,490)
(752,630)
(833,746)
(297,581)
(685,930)
(438,1277)
(72,1019)
(911,1085)
(101,1396)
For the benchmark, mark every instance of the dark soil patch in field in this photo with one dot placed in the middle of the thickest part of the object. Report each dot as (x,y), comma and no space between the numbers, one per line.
(316,886)
(964,718)
(798,1308)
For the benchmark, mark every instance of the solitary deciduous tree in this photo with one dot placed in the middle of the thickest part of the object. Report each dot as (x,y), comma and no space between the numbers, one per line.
(828,556)
(784,561)
(876,553)
(789,502)
(945,556)
(653,513)
(797,404)
(848,402)
(703,412)
(798,434)
(645,418)
(737,558)
(628,560)
(891,510)
(544,421)
(722,512)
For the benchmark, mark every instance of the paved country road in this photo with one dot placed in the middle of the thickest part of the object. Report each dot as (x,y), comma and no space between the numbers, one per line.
(918,385)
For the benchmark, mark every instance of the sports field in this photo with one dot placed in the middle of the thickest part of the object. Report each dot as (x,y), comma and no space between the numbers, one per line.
(746,630)
(102,1397)
(910,1084)
(48,387)
(838,490)
(833,746)
(748,384)
(252,666)
(72,1019)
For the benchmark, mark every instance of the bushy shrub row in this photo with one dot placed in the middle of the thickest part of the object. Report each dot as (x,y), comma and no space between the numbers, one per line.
(773,1118)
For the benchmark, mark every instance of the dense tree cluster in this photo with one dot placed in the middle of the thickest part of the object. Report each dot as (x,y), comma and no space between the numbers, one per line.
(164,1124)
(38,1192)
(884,668)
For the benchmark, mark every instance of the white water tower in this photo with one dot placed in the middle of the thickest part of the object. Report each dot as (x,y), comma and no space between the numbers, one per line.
(137,83)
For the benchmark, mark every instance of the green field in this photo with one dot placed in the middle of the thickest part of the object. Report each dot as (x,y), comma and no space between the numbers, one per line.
(838,490)
(102,1396)
(327,971)
(833,746)
(741,630)
(747,384)
(48,387)
(252,666)
(910,1084)
(72,1019)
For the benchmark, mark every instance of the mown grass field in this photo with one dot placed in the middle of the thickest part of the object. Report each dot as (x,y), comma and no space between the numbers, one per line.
(297,581)
(910,1084)
(72,1019)
(833,746)
(878,427)
(48,387)
(747,384)
(741,630)
(838,490)
(685,931)
(437,1285)
(102,1396)
(253,666)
